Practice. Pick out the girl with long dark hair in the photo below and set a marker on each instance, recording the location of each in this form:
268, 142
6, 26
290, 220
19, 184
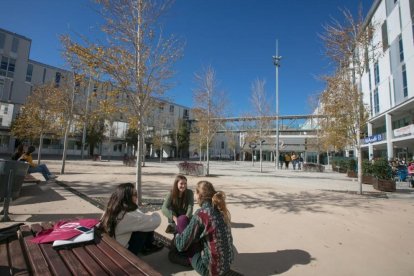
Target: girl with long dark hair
132, 228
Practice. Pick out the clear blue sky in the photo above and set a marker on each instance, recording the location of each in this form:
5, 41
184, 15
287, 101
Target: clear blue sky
236, 37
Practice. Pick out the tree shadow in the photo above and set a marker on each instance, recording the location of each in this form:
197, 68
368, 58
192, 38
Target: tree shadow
241, 225
319, 202
270, 263
36, 193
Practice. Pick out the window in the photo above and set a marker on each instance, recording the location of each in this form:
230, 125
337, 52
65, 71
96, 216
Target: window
384, 32
171, 108
185, 115
15, 45
6, 109
376, 101
11, 90
29, 72
412, 9
370, 102
58, 75
44, 75
404, 77
400, 44
369, 80
1, 88
2, 40
376, 73
7, 67
222, 145
1, 121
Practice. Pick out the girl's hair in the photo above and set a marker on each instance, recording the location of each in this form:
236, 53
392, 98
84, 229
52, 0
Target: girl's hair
175, 193
206, 192
121, 201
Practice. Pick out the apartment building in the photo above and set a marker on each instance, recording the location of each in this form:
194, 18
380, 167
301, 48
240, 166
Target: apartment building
388, 84
18, 77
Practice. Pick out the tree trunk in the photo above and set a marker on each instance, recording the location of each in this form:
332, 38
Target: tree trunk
39, 151
65, 147
261, 164
160, 154
208, 160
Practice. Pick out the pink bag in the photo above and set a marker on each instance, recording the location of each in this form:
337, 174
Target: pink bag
64, 230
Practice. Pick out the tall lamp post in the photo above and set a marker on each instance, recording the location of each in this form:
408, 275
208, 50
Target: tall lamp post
276, 62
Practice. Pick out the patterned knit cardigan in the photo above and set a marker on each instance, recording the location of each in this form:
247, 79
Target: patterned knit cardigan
207, 226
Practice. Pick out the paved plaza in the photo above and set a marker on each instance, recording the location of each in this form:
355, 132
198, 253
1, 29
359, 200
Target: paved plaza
283, 222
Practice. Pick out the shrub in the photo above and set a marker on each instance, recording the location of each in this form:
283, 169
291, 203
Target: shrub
351, 164
191, 168
382, 169
312, 167
366, 167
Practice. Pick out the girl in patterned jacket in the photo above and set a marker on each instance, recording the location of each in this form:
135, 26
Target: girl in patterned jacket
207, 237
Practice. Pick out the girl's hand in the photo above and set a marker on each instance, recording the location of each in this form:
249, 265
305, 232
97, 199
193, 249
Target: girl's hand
175, 219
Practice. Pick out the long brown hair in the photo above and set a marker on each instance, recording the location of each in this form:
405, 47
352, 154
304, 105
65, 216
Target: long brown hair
175, 193
206, 192
120, 201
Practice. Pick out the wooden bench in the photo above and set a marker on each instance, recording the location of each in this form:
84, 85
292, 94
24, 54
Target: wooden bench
31, 179
18, 255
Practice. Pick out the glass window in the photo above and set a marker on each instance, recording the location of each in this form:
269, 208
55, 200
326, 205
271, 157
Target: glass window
400, 44
44, 75
11, 90
3, 66
6, 109
171, 108
370, 102
57, 78
1, 88
29, 72
15, 45
384, 32
11, 67
376, 73
405, 86
2, 40
376, 101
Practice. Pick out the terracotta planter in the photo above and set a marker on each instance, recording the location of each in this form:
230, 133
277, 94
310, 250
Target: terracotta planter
385, 185
368, 179
352, 174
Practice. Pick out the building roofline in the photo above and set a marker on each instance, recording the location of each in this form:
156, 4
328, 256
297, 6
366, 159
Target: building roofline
371, 12
47, 65
16, 34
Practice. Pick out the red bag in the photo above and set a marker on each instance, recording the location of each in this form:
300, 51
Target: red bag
63, 230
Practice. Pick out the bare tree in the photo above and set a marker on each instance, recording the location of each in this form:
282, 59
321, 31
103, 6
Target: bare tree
261, 109
210, 104
351, 48
136, 57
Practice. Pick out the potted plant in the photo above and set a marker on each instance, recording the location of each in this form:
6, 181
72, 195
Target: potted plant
351, 172
343, 166
367, 173
383, 173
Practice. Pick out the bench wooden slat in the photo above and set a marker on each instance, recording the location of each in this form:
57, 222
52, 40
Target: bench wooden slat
108, 265
56, 264
4, 260
121, 262
72, 262
88, 262
140, 264
37, 262
18, 261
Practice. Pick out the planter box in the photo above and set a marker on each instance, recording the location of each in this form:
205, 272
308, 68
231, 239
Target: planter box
369, 179
19, 172
385, 185
352, 174
191, 169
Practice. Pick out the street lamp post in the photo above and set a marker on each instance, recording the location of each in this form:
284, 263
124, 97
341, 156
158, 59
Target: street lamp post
276, 62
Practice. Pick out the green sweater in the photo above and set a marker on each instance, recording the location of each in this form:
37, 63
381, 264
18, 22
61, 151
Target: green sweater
169, 210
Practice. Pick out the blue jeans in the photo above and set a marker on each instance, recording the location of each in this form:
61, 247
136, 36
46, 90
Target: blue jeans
42, 168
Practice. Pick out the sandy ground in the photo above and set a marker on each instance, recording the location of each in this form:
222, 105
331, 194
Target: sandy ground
283, 222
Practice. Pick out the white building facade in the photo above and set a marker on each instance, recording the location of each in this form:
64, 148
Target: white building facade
19, 75
388, 82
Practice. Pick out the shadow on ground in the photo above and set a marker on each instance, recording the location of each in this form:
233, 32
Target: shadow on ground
302, 201
30, 194
270, 263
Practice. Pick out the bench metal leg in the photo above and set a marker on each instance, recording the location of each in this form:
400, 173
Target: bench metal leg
7, 198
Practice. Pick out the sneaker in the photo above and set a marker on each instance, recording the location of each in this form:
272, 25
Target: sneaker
170, 229
52, 176
155, 247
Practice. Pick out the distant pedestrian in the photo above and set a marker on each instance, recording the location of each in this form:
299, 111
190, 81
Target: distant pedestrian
33, 168
287, 160
281, 160
18, 153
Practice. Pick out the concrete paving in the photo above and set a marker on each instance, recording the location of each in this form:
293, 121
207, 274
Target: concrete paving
283, 222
